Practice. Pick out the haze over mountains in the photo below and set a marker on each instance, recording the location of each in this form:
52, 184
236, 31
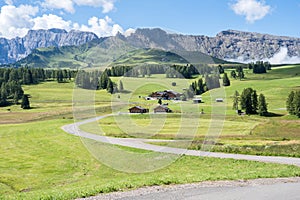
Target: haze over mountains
227, 45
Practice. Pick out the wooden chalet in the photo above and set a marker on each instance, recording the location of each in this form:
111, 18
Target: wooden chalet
138, 109
162, 109
166, 95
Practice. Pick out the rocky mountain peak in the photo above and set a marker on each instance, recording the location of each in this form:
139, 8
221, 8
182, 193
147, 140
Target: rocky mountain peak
18, 48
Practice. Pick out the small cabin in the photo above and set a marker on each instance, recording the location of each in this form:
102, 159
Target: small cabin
162, 109
219, 100
138, 109
196, 101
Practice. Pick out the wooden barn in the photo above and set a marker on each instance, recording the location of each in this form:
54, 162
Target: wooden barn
162, 109
138, 109
166, 95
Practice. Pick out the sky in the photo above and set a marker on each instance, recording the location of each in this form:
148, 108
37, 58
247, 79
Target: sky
108, 17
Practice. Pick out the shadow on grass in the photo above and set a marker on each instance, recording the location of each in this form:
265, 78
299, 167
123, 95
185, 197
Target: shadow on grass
270, 114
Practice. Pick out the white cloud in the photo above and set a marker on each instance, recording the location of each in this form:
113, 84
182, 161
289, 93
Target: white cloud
16, 21
51, 21
253, 10
282, 57
107, 5
66, 5
129, 31
9, 2
101, 27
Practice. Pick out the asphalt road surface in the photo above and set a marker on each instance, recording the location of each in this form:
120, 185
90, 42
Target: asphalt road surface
259, 189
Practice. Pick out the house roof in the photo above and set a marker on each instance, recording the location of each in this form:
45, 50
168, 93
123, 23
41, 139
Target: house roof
138, 107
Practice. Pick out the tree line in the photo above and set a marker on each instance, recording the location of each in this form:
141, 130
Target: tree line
173, 71
12, 79
96, 80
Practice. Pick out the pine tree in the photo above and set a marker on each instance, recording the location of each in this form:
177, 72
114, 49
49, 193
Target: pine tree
233, 74
110, 86
236, 99
121, 87
159, 101
246, 100
296, 104
226, 81
254, 101
25, 102
262, 105
289, 103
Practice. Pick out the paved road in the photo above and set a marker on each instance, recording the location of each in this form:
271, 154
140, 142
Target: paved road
258, 189
278, 191
141, 144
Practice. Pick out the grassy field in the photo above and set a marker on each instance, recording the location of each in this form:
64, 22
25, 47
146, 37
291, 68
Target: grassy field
40, 161
276, 135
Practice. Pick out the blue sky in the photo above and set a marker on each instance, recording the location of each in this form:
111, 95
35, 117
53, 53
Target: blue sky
107, 17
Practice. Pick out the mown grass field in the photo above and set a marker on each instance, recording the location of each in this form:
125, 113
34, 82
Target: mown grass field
276, 135
40, 161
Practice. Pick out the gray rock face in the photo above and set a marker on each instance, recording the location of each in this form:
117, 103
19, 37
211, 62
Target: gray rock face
18, 48
226, 45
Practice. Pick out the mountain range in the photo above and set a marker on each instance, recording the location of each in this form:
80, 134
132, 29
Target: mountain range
86, 47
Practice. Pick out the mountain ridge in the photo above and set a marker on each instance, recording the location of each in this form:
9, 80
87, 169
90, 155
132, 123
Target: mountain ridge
227, 45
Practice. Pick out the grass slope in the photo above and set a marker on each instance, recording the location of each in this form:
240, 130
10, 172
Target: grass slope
40, 161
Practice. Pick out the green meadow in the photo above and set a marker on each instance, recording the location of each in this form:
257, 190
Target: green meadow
40, 161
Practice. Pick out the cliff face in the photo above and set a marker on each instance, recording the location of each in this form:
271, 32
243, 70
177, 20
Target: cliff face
18, 48
226, 45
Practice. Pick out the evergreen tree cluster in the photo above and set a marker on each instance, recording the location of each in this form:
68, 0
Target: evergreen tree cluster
198, 87
27, 76
250, 102
259, 67
293, 103
10, 93
238, 73
174, 71
96, 80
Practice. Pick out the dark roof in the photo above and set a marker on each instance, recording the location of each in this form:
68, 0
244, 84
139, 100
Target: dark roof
138, 107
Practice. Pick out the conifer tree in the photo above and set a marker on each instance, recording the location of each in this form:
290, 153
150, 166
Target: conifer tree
289, 103
25, 102
226, 81
262, 105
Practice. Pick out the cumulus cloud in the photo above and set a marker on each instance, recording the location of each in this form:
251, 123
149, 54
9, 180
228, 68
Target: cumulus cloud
15, 21
101, 27
282, 57
129, 31
253, 10
107, 5
9, 2
51, 21
66, 5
